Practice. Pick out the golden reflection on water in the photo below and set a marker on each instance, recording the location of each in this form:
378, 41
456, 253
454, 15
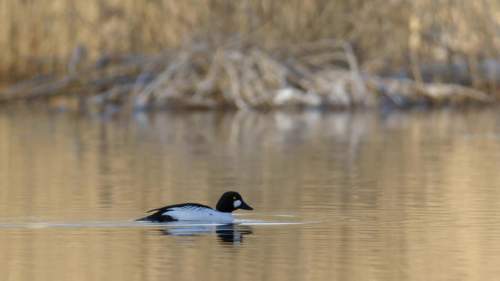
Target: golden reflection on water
397, 197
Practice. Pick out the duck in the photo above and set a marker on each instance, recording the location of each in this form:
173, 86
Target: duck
229, 202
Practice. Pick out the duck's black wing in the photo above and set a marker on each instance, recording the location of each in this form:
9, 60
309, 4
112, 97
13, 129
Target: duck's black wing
158, 215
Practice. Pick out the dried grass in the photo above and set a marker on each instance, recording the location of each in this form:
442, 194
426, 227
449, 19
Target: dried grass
253, 53
40, 36
321, 74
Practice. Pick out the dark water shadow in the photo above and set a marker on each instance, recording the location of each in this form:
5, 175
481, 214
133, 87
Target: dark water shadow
227, 233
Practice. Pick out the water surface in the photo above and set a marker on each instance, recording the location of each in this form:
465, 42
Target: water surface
340, 196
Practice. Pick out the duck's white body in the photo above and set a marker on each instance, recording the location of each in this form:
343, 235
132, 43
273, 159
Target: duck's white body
229, 202
196, 213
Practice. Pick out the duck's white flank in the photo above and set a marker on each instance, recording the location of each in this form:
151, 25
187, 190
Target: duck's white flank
195, 213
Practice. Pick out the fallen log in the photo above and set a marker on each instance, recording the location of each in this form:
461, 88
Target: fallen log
318, 74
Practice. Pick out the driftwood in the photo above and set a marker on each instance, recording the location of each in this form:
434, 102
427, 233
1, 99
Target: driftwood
320, 74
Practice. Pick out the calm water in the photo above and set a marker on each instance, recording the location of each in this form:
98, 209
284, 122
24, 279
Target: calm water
337, 196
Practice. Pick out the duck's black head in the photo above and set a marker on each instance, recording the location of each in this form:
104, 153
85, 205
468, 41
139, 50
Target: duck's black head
231, 201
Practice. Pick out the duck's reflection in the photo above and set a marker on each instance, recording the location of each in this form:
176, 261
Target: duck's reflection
227, 233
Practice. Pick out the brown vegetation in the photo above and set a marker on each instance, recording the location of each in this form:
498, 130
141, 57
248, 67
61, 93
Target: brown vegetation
252, 53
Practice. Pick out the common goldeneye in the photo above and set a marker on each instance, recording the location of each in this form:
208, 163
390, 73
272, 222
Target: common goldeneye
228, 202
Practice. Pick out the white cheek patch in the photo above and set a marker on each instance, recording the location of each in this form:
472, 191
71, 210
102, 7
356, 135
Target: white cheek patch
237, 203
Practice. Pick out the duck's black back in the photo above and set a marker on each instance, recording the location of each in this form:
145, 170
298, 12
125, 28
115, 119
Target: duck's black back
158, 216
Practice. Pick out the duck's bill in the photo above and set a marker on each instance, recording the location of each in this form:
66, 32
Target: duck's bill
245, 206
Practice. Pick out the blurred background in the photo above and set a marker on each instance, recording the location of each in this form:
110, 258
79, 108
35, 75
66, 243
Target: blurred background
39, 36
432, 41
365, 134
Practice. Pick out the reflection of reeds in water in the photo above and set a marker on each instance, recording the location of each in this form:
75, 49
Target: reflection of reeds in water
399, 196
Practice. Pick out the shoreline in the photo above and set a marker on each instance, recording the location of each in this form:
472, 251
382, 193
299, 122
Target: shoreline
323, 74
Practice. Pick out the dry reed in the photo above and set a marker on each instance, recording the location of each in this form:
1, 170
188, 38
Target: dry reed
320, 74
41, 35
390, 37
